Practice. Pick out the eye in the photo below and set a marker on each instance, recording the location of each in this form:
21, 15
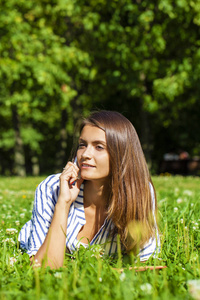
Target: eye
100, 147
81, 145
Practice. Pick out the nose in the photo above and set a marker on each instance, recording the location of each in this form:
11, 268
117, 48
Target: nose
87, 153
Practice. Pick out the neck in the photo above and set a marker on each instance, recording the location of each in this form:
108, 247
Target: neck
96, 194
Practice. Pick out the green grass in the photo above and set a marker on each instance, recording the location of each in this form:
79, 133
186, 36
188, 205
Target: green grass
88, 275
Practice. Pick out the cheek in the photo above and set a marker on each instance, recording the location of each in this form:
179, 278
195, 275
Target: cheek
106, 162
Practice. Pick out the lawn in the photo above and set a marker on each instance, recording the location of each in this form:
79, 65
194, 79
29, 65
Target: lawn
88, 275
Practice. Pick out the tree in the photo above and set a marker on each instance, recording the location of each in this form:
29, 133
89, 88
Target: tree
146, 63
61, 59
36, 61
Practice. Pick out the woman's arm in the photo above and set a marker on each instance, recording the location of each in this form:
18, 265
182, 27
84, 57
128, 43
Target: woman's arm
53, 249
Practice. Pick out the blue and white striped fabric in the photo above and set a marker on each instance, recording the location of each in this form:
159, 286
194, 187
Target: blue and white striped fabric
33, 233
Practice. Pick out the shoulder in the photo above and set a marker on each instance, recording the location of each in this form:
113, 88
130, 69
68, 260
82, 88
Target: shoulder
51, 182
47, 192
151, 187
153, 195
152, 191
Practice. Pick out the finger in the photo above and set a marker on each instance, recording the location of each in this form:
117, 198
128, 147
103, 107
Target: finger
70, 166
69, 176
78, 181
74, 178
71, 171
76, 186
141, 268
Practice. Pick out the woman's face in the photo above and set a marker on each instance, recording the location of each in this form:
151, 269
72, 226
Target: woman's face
92, 154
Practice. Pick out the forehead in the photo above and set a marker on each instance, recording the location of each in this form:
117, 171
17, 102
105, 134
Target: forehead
92, 133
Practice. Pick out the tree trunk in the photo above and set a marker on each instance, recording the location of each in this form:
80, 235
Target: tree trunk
19, 158
35, 165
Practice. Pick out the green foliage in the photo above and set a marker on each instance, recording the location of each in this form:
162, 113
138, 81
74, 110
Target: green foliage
36, 62
141, 58
7, 140
87, 273
31, 137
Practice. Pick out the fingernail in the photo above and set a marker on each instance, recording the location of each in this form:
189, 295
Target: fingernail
73, 182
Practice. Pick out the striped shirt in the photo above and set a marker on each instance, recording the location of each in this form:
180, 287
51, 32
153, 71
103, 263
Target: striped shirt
33, 233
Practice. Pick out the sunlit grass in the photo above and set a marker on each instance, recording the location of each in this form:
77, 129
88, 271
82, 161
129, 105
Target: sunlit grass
88, 274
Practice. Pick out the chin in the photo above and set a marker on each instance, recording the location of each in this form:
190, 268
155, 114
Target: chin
86, 178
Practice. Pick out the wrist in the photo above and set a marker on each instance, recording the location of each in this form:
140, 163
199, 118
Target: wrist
63, 205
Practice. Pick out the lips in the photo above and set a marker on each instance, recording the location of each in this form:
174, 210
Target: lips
84, 165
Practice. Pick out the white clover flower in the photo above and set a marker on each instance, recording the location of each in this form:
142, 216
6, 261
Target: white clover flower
179, 200
176, 190
194, 288
196, 224
4, 206
147, 288
58, 275
187, 193
9, 240
122, 276
8, 216
175, 209
36, 263
181, 221
22, 215
11, 230
12, 261
194, 257
192, 204
100, 279
186, 227
17, 222
194, 227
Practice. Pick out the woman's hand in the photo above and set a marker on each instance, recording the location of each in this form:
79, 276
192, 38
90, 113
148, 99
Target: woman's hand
68, 190
52, 250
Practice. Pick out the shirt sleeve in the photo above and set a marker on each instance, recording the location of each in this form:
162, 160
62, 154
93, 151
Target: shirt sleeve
152, 247
33, 233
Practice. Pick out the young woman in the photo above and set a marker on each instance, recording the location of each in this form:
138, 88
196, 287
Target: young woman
106, 192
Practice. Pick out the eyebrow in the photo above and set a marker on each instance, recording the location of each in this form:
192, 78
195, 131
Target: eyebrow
93, 142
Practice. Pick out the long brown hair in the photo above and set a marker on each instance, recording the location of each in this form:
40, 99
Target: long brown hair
130, 203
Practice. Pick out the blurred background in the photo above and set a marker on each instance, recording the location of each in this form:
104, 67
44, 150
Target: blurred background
61, 59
